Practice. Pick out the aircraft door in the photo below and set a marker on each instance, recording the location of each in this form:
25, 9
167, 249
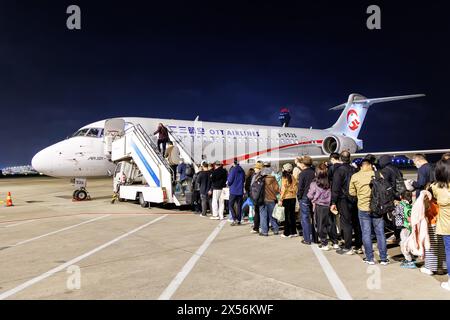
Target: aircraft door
113, 128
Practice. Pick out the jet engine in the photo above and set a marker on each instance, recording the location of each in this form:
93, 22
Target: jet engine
338, 144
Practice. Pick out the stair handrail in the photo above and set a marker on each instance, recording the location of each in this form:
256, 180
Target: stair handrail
150, 145
154, 146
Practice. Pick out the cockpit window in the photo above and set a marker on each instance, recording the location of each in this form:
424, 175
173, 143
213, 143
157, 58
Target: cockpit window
93, 132
89, 132
80, 133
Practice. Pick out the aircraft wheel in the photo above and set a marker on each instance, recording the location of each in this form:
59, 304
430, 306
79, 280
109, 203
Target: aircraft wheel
81, 195
142, 202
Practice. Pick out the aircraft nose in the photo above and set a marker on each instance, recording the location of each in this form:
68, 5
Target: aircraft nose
40, 161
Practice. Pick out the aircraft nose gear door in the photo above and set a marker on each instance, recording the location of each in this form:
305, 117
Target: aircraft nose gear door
113, 128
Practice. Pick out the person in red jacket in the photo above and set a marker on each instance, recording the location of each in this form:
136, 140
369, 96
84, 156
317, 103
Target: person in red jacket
163, 137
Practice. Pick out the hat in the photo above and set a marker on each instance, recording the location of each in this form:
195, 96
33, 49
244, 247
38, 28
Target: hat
306, 160
287, 167
266, 164
218, 163
259, 165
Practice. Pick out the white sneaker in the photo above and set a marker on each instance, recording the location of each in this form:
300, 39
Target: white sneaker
426, 271
293, 235
325, 248
214, 218
369, 262
446, 285
392, 239
336, 246
283, 236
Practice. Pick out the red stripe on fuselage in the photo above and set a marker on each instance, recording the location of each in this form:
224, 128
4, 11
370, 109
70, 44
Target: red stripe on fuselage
255, 154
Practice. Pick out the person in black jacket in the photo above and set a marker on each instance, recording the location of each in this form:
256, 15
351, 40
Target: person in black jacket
196, 202
204, 181
346, 205
390, 173
304, 181
334, 163
218, 182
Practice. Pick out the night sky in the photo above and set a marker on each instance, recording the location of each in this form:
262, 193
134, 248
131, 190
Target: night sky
227, 61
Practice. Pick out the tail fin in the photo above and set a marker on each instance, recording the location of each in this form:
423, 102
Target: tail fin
355, 110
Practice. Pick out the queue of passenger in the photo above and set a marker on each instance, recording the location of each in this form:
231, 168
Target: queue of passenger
342, 206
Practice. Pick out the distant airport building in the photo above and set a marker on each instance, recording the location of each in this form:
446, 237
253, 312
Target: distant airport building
18, 170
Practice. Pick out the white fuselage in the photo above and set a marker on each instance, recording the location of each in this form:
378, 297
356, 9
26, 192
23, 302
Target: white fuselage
82, 155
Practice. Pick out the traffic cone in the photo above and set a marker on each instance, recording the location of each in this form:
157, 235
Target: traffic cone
9, 200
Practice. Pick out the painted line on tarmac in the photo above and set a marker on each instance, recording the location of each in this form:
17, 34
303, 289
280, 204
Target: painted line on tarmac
58, 231
18, 224
332, 276
94, 213
187, 268
63, 266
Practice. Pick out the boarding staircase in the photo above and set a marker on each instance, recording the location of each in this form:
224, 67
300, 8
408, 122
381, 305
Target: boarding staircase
138, 148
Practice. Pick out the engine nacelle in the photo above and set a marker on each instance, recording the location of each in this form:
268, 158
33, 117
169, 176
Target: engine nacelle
338, 144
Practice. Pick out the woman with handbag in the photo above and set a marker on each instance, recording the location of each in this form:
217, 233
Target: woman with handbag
287, 200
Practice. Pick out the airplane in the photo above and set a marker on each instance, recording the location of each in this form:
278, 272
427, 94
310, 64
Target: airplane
83, 155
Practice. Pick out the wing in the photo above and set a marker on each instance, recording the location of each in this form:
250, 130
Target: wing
408, 154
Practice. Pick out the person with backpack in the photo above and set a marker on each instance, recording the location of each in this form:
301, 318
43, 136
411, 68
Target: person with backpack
236, 180
320, 195
218, 182
287, 200
267, 200
365, 188
345, 204
163, 138
304, 181
394, 177
402, 221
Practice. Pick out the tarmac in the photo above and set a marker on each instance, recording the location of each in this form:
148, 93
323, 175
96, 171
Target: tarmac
53, 248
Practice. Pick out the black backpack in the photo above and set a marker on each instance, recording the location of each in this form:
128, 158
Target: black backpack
257, 190
399, 185
382, 198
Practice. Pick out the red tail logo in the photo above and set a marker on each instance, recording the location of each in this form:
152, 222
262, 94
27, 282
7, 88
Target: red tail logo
353, 119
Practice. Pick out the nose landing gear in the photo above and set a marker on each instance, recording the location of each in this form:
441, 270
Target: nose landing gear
80, 194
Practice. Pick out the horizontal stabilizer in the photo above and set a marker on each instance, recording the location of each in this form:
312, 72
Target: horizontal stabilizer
378, 100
